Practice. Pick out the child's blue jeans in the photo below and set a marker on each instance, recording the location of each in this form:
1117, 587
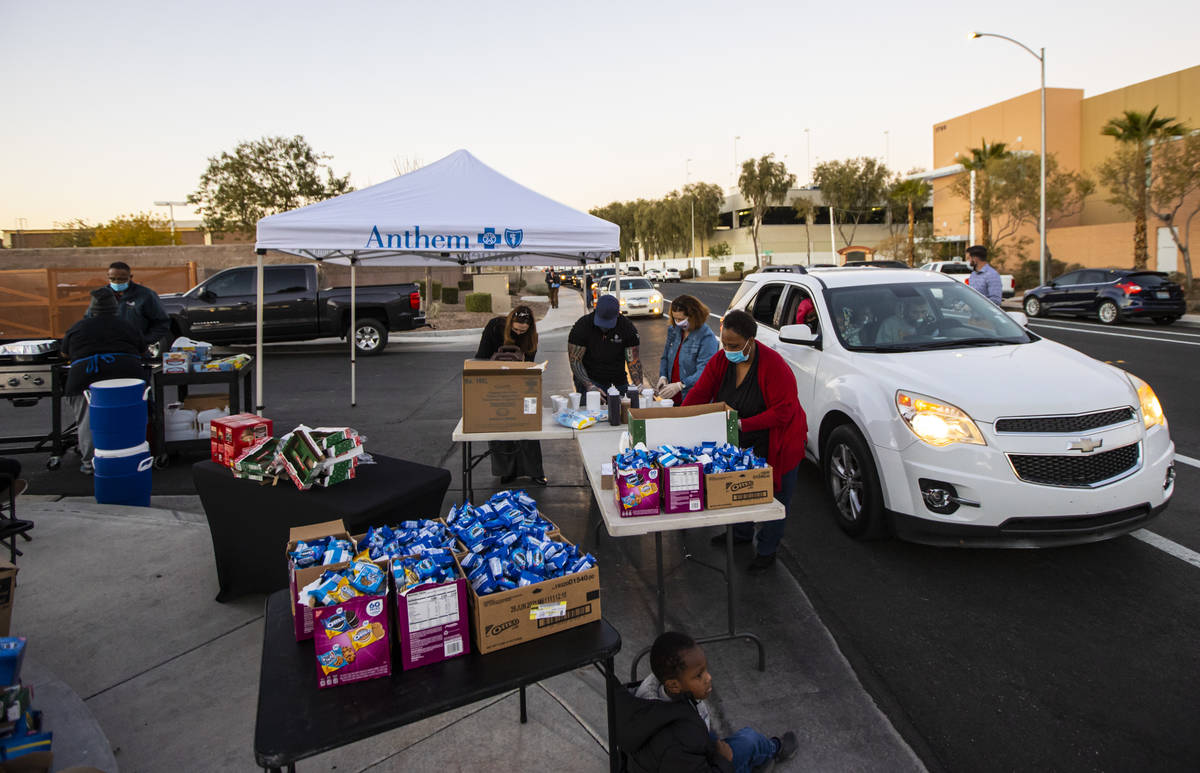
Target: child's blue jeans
750, 749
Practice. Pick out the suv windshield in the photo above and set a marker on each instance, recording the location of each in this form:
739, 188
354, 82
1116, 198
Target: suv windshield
916, 317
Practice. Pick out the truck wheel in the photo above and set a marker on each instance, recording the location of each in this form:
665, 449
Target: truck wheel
370, 336
853, 483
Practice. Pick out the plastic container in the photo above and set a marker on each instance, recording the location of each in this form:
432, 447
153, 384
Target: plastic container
123, 477
118, 412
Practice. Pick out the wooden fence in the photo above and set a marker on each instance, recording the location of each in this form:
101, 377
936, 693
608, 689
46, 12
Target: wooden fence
44, 302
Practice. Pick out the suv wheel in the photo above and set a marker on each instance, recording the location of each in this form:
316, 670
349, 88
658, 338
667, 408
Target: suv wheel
1033, 307
853, 483
1108, 313
370, 336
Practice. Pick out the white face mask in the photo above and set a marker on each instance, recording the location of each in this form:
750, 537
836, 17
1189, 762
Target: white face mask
683, 323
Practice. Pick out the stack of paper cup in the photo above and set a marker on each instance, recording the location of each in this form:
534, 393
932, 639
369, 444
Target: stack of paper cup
560, 403
593, 400
574, 398
647, 397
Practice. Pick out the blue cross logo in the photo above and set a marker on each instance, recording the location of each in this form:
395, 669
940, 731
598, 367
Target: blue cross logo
489, 238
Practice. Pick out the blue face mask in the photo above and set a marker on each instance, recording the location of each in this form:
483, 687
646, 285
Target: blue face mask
120, 288
735, 357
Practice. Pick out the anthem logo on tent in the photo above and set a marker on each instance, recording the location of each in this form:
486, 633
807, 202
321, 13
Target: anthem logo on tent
489, 239
415, 240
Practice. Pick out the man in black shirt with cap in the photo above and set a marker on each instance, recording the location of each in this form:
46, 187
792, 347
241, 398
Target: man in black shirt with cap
600, 347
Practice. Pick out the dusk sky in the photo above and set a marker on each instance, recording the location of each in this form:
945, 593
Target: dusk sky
111, 106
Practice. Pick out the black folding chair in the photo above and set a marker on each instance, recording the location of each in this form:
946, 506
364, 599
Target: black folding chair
10, 526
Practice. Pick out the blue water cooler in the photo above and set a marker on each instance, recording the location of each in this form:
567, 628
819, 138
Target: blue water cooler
118, 411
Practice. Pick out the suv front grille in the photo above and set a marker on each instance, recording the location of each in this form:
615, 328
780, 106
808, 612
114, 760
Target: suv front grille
1078, 471
1064, 425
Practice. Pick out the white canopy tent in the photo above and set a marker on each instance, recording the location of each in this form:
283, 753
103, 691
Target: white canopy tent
456, 211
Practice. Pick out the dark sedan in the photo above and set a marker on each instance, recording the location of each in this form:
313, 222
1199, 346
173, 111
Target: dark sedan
1110, 295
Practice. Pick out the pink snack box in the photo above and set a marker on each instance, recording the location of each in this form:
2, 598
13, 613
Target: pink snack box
432, 624
352, 641
683, 488
638, 493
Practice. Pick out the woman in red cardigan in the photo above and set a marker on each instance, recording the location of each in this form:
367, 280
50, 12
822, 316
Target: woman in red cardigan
759, 385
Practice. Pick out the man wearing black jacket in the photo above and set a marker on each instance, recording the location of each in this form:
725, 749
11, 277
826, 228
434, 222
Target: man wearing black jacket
138, 305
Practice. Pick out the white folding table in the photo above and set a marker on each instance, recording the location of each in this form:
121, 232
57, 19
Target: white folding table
551, 430
600, 447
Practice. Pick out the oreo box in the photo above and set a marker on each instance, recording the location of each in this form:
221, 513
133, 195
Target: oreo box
352, 641
432, 623
682, 488
302, 614
638, 491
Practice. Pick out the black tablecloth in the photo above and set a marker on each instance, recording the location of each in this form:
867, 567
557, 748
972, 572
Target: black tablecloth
249, 522
296, 719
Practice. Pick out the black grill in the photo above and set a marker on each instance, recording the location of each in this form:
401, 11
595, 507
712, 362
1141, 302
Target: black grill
1082, 470
1066, 424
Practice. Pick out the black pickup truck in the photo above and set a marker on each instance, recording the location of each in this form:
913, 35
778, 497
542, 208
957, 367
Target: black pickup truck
221, 309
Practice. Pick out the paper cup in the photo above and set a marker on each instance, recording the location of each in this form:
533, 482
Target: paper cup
574, 398
560, 403
647, 396
593, 400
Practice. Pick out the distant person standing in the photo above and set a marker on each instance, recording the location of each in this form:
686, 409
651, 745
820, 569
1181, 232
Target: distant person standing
984, 279
138, 305
513, 337
100, 346
552, 285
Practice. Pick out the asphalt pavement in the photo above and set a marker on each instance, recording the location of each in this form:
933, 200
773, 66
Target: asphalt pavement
1078, 658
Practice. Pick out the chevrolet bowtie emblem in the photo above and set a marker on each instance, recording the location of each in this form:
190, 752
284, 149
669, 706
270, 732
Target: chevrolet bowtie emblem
1085, 444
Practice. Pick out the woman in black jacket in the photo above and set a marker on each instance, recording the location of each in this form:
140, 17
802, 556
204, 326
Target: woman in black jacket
513, 337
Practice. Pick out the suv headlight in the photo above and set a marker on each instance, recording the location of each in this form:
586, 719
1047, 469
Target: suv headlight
1152, 412
935, 422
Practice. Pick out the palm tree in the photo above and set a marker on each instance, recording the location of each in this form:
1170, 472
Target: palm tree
978, 163
910, 194
1142, 130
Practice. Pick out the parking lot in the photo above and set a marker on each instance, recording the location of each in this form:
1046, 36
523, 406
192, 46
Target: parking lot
1075, 658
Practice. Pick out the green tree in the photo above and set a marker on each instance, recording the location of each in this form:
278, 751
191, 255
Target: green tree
1140, 131
720, 250
1015, 189
852, 187
1170, 185
138, 230
260, 178
622, 214
708, 198
912, 195
981, 160
806, 210
763, 182
74, 233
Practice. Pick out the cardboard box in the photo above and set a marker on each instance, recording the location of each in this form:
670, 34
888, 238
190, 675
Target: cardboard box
638, 494
8, 588
684, 426
432, 621
682, 488
199, 403
505, 618
176, 362
352, 641
302, 458
606, 476
502, 396
736, 489
231, 436
302, 615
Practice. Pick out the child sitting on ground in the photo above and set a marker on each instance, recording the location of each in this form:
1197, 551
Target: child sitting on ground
669, 729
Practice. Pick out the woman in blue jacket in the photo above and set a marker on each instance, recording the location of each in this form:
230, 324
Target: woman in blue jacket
691, 343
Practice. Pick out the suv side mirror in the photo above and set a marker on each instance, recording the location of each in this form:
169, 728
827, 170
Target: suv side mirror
798, 334
1052, 283
207, 295
1019, 317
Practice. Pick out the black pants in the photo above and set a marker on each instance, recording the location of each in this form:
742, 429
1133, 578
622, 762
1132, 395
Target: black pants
554, 297
516, 457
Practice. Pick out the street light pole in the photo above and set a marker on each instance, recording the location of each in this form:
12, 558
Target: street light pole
171, 205
1041, 57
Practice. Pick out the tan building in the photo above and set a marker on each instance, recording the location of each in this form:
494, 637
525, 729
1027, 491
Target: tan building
1101, 234
188, 231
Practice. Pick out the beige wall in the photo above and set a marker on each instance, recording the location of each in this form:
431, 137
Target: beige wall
1177, 95
209, 260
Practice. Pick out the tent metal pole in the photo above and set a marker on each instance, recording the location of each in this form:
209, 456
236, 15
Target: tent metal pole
258, 337
353, 335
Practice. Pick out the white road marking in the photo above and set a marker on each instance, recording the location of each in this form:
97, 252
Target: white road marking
1086, 327
1167, 546
1118, 335
1187, 460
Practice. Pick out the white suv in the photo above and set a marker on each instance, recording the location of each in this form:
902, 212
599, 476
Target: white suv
933, 412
